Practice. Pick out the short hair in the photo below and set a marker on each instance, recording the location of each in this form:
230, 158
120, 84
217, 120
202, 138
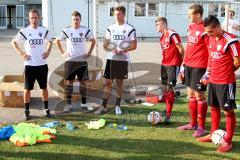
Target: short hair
120, 8
197, 8
76, 13
34, 11
163, 19
232, 11
212, 21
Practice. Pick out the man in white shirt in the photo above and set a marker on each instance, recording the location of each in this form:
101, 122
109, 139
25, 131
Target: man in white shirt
35, 38
233, 25
76, 56
120, 39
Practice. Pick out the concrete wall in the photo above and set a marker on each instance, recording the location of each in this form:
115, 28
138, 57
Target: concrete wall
57, 14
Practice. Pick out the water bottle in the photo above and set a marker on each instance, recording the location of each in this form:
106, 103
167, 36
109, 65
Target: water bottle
238, 106
51, 124
122, 127
119, 127
70, 126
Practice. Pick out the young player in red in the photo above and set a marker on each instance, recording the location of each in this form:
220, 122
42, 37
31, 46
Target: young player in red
195, 64
172, 52
224, 59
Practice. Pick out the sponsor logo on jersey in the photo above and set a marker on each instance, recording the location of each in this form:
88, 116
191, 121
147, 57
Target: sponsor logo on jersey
76, 39
192, 39
216, 55
36, 41
165, 46
118, 37
40, 34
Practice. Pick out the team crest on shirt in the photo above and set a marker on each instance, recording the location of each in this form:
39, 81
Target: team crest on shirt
219, 47
81, 34
40, 34
124, 31
197, 33
30, 35
71, 34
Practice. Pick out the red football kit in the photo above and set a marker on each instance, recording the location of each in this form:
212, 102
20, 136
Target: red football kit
170, 53
196, 50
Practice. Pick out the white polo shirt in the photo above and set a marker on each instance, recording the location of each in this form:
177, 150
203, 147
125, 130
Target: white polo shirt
76, 42
35, 41
120, 36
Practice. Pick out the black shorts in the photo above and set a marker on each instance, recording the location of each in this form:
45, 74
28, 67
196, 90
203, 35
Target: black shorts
169, 75
74, 68
116, 69
33, 73
192, 77
222, 95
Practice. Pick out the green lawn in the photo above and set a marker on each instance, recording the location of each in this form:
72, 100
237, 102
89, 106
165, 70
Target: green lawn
140, 141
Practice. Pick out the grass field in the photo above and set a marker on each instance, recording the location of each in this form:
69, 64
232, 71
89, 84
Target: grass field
141, 141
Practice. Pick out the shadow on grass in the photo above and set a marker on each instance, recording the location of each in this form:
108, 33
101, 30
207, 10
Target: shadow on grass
48, 155
142, 148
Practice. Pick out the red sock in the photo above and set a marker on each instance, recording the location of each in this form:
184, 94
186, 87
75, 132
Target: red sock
169, 103
193, 110
230, 126
202, 113
215, 118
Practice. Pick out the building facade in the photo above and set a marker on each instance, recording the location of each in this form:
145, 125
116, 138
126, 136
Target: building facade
14, 13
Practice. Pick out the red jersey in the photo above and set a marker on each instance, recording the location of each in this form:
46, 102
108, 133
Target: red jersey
221, 53
170, 53
196, 50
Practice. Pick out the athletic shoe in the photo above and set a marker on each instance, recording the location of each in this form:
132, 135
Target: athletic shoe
46, 113
199, 132
224, 147
206, 138
67, 108
187, 127
86, 106
27, 115
118, 110
167, 120
101, 110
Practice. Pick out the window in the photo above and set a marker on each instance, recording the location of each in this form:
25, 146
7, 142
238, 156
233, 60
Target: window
222, 10
111, 12
146, 9
153, 9
213, 9
217, 10
140, 9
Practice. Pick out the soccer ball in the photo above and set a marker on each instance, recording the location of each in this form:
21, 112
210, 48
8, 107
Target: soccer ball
217, 136
154, 117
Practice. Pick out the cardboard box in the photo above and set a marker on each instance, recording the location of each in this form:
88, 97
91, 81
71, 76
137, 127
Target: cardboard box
11, 91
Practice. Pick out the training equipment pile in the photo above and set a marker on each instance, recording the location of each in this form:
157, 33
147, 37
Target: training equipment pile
25, 134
